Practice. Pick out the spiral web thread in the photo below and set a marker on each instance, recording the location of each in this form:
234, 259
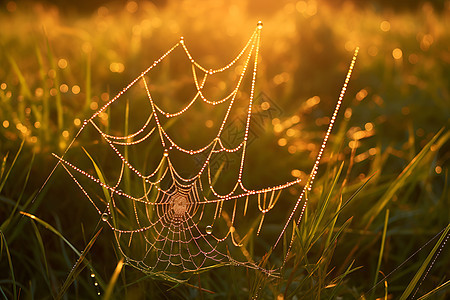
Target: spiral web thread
168, 225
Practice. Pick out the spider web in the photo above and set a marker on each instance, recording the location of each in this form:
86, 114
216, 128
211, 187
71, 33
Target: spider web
164, 218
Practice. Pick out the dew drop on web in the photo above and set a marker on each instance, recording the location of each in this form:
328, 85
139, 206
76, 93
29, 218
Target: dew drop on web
209, 229
104, 217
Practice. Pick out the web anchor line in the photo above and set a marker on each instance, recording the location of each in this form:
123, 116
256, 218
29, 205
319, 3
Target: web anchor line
168, 224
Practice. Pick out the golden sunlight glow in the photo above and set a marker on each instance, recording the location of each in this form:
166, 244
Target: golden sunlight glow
3, 86
77, 122
5, 123
438, 169
65, 134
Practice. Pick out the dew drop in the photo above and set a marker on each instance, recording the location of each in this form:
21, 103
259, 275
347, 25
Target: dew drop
209, 229
92, 275
166, 153
260, 24
104, 217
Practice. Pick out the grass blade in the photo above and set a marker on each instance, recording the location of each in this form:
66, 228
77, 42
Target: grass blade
435, 290
424, 265
112, 282
11, 268
400, 181
4, 179
383, 240
78, 267
52, 229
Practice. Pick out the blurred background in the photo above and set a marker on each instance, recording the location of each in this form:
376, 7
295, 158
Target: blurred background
60, 61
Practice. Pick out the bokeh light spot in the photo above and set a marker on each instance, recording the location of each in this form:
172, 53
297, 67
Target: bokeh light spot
64, 88
368, 126
373, 51
385, 26
282, 142
209, 123
117, 67
104, 97
62, 63
132, 6
397, 53
413, 58
361, 95
265, 105
76, 89
11, 6
39, 92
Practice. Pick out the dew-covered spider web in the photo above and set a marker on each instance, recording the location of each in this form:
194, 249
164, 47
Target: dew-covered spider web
171, 206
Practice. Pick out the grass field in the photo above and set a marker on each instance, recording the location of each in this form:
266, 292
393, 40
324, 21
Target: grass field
378, 217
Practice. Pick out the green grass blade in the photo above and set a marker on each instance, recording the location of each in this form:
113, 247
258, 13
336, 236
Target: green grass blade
105, 190
12, 214
11, 268
325, 203
3, 168
52, 229
4, 179
78, 267
383, 240
424, 265
400, 181
435, 290
41, 245
113, 280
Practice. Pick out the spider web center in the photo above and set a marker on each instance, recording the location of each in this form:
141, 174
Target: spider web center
179, 204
